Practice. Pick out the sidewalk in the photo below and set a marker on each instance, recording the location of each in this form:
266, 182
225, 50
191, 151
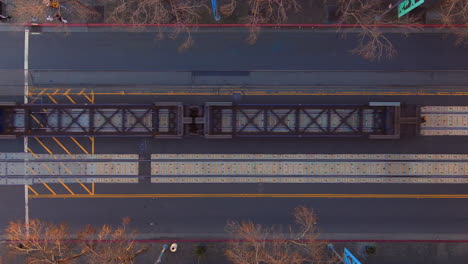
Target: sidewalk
309, 12
414, 253
386, 253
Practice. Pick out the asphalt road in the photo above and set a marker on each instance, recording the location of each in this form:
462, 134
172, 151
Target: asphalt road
207, 217
227, 51
280, 50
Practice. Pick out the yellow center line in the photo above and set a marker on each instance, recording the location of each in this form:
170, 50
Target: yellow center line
256, 195
261, 93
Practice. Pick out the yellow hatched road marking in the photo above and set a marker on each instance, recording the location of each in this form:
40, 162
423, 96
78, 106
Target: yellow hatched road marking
71, 100
61, 163
84, 187
66, 187
63, 147
37, 121
66, 92
32, 190
45, 147
48, 187
79, 145
56, 91
32, 153
91, 100
52, 99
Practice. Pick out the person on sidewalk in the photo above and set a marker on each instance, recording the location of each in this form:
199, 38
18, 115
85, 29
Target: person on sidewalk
61, 19
5, 18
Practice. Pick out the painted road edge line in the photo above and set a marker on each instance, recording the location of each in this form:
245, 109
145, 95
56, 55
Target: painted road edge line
255, 195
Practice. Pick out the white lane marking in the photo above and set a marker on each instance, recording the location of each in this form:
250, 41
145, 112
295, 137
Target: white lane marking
26, 208
25, 142
26, 65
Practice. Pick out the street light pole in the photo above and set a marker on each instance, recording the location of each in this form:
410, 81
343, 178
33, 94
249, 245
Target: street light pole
165, 247
214, 7
330, 246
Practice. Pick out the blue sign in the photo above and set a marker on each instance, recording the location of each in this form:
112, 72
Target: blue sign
214, 6
349, 258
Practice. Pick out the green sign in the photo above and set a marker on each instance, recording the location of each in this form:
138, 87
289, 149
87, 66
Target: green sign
407, 6
349, 258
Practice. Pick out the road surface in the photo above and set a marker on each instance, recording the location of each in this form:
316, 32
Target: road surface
286, 50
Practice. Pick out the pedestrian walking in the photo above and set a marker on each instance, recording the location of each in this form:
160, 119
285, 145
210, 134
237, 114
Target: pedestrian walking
4, 18
61, 19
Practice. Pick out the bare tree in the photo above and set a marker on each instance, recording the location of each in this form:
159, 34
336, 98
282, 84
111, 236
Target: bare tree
373, 44
25, 11
178, 12
456, 12
81, 9
257, 244
228, 8
42, 243
268, 11
110, 245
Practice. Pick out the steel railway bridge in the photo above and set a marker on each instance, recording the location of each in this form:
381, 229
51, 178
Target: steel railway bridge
376, 120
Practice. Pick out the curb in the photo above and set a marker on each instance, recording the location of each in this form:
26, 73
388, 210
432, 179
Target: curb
316, 28
324, 237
